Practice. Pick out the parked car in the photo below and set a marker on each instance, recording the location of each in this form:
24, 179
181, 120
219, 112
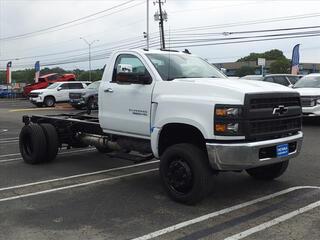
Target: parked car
284, 79
87, 98
46, 80
252, 77
6, 91
309, 89
57, 92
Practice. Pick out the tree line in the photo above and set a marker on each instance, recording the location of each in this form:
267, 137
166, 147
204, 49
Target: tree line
27, 75
280, 63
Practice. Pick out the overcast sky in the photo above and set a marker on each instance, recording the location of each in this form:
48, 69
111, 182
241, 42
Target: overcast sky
129, 21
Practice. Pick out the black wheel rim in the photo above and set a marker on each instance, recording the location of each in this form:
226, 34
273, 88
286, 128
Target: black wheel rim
49, 102
179, 176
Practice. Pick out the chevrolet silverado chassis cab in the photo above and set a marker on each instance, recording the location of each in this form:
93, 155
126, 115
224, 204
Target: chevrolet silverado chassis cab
180, 109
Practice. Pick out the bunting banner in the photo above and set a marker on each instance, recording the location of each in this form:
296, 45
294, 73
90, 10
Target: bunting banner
8, 73
295, 60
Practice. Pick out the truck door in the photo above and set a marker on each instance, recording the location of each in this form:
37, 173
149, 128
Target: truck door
126, 98
62, 91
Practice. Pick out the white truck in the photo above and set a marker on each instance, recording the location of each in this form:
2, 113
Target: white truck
183, 111
56, 92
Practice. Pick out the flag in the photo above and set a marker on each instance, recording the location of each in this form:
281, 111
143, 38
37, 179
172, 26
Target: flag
295, 60
37, 71
8, 73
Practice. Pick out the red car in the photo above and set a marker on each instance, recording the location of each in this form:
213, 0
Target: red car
46, 80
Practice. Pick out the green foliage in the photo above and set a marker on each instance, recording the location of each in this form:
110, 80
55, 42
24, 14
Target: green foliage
245, 70
95, 75
280, 66
273, 54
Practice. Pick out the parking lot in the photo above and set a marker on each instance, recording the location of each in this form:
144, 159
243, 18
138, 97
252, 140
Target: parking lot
84, 194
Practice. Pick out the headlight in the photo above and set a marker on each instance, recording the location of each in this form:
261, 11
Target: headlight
228, 120
318, 101
83, 94
39, 93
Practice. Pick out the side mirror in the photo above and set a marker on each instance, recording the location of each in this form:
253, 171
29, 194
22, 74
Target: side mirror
59, 88
133, 78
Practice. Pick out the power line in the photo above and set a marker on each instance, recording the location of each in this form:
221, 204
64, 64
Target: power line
29, 34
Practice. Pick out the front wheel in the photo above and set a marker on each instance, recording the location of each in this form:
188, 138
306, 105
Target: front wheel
268, 172
185, 173
49, 101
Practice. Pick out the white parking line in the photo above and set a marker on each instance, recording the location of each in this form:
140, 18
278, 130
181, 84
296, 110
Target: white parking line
76, 185
220, 212
12, 138
77, 176
273, 222
9, 141
61, 153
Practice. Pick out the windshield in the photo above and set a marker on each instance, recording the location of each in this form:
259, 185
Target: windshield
54, 85
308, 82
172, 66
94, 85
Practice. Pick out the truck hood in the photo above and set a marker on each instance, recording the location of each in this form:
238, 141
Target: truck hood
240, 85
308, 91
218, 90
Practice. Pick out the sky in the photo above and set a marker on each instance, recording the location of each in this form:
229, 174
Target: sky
117, 26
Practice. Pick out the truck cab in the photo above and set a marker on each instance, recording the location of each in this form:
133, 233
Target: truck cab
185, 112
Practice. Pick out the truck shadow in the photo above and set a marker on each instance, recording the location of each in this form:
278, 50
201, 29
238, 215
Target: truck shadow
311, 121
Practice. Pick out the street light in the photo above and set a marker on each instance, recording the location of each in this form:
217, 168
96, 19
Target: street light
89, 45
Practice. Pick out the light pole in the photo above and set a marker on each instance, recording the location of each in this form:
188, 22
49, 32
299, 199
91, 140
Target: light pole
89, 45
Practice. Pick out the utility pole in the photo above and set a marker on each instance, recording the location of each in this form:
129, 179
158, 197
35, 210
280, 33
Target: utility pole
147, 34
89, 45
161, 16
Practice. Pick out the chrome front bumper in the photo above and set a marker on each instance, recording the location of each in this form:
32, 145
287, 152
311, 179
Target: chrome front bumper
240, 156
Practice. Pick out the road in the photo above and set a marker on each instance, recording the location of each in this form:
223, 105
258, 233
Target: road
84, 194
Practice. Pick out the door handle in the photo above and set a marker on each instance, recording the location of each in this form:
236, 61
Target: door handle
108, 90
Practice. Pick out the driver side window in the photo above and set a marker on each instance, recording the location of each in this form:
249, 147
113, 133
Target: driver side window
127, 63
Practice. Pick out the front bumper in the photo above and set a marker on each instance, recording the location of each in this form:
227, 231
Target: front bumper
240, 156
311, 111
77, 102
38, 99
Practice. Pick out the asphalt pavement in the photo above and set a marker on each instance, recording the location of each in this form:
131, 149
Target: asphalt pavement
84, 194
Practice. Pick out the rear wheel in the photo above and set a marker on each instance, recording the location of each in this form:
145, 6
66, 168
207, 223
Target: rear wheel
185, 173
52, 141
33, 144
268, 172
49, 101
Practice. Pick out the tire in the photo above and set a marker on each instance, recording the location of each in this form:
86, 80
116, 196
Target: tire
49, 101
103, 149
185, 173
52, 141
268, 172
90, 104
33, 144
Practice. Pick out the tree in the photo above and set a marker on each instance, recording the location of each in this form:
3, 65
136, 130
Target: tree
273, 54
245, 70
280, 66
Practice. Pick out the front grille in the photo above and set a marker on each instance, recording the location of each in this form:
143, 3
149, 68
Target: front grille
33, 95
262, 121
274, 102
75, 95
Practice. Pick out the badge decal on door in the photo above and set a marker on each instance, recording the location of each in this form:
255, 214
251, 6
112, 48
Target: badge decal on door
138, 112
